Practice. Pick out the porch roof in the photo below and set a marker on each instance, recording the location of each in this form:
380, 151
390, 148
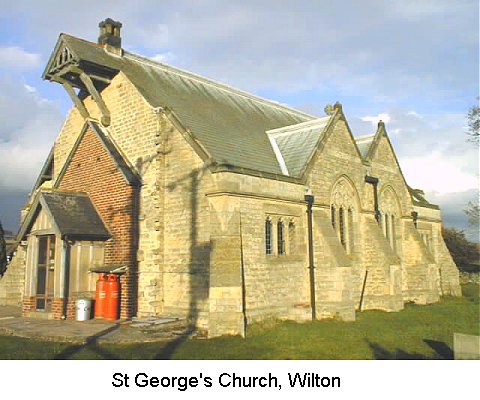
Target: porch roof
72, 213
75, 215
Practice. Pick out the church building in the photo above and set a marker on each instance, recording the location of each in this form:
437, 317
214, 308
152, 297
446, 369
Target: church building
216, 206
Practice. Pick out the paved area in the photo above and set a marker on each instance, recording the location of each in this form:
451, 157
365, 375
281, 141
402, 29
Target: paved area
7, 312
100, 331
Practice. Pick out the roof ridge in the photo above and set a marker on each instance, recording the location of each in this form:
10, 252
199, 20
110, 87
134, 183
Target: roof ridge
364, 137
202, 79
312, 124
212, 82
82, 40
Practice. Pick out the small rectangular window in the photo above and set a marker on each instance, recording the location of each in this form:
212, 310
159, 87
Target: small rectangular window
280, 238
268, 237
292, 238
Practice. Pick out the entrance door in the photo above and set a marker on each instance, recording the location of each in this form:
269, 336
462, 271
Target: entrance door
45, 272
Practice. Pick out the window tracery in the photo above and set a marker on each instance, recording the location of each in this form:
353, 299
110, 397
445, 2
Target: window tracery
390, 211
342, 212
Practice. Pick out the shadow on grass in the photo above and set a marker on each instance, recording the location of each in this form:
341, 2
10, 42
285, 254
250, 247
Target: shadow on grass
171, 347
442, 352
90, 344
441, 348
471, 292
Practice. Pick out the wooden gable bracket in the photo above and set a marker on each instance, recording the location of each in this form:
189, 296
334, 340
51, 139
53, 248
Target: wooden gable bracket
71, 92
76, 100
87, 81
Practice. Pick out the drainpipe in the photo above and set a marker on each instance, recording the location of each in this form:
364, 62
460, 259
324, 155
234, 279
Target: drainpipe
66, 275
310, 199
415, 218
374, 182
244, 294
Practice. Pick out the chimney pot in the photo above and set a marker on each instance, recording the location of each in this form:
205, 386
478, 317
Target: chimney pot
109, 36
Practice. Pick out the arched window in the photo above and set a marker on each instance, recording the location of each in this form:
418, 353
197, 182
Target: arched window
343, 202
292, 240
268, 236
280, 238
351, 232
390, 209
341, 225
393, 233
387, 227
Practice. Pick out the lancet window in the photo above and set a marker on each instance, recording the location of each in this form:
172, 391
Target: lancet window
342, 213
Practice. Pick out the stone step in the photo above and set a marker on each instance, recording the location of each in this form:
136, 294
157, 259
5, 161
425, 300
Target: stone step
166, 324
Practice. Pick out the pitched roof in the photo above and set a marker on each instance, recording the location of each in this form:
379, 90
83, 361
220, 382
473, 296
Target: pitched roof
73, 214
364, 143
46, 172
296, 143
230, 124
419, 199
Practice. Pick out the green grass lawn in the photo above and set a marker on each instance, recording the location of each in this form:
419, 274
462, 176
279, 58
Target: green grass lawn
418, 332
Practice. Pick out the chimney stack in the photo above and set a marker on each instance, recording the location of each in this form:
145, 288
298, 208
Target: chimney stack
110, 37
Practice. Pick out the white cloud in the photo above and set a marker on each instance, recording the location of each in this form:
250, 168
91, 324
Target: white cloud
376, 118
29, 88
16, 57
29, 127
437, 173
167, 57
434, 156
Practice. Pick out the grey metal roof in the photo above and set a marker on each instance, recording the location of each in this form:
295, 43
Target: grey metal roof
296, 143
364, 143
230, 124
74, 215
419, 199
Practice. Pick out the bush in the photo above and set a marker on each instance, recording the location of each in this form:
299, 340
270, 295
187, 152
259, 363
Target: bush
465, 253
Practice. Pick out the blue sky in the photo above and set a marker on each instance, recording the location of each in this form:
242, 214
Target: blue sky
412, 63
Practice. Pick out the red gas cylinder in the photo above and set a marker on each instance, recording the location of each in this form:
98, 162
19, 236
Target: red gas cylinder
100, 296
113, 297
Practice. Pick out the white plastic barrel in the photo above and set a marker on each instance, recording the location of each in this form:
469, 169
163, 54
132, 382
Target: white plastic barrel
84, 307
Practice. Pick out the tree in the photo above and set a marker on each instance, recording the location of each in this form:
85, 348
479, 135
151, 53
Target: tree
464, 252
3, 251
473, 118
473, 213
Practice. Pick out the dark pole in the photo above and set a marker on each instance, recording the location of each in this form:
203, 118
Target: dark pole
66, 277
244, 294
310, 199
374, 182
415, 218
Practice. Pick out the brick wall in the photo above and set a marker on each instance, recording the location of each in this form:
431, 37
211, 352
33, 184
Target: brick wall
28, 304
57, 308
140, 133
92, 170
